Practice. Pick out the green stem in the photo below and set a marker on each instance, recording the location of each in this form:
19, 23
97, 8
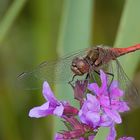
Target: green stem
10, 17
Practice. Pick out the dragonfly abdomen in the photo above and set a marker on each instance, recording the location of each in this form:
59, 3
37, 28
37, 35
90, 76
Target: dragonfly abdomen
123, 51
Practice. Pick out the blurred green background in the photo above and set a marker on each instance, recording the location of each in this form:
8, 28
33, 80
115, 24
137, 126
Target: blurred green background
32, 31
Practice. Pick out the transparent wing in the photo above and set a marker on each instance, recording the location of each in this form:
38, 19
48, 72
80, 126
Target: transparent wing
131, 93
55, 72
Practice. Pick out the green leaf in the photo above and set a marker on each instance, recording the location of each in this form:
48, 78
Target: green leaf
129, 34
10, 17
74, 34
45, 24
102, 134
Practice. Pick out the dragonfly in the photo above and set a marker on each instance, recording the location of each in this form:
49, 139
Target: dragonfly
81, 63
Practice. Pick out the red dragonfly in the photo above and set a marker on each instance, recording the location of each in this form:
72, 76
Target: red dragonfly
83, 63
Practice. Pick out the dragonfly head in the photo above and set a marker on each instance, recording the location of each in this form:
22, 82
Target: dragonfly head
79, 66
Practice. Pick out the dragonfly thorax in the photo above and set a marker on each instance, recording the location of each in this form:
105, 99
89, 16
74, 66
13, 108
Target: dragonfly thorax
82, 65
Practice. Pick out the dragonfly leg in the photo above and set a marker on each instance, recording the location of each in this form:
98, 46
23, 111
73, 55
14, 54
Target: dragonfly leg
90, 74
87, 76
70, 82
112, 75
96, 73
93, 77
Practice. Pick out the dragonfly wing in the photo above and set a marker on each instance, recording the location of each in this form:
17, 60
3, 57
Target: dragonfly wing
131, 93
116, 72
33, 79
55, 72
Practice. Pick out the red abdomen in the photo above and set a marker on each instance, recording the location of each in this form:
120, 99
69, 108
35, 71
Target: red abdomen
123, 51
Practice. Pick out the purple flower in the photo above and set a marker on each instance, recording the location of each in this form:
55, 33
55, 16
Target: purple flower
91, 113
112, 133
109, 98
89, 138
79, 90
68, 135
77, 130
52, 106
100, 108
127, 138
59, 136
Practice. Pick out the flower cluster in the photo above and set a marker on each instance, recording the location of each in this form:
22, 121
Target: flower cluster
100, 106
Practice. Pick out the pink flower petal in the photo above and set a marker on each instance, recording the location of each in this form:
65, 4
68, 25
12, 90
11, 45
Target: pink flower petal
104, 80
92, 103
123, 107
93, 117
94, 88
41, 111
127, 138
106, 121
47, 93
112, 133
58, 111
114, 115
